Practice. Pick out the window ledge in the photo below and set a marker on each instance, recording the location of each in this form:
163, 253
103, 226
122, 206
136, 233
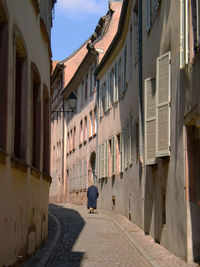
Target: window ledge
19, 164
3, 156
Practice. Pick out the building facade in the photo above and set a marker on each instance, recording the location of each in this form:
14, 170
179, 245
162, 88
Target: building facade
146, 138
25, 63
80, 127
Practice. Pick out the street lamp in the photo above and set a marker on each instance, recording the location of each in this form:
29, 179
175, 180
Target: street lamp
72, 99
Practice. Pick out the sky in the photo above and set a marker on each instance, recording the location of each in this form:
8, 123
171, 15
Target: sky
74, 22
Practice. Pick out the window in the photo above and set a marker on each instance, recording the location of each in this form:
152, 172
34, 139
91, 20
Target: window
184, 34
85, 130
86, 87
82, 93
151, 11
107, 93
112, 84
3, 77
91, 125
125, 73
136, 35
106, 158
74, 138
68, 142
94, 127
104, 102
92, 81
130, 141
119, 78
36, 107
81, 133
20, 99
126, 132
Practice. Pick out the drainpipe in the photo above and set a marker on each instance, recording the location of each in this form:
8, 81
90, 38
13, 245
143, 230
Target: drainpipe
97, 121
63, 153
141, 114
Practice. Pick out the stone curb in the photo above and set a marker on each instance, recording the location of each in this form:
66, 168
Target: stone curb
47, 254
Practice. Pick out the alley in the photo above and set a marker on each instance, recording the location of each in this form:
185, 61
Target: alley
77, 238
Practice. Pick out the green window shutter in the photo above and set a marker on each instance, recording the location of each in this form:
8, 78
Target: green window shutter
150, 120
122, 151
163, 95
116, 83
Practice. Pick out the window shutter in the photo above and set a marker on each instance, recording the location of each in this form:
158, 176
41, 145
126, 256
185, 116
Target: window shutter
116, 83
150, 120
130, 142
100, 100
108, 90
148, 14
123, 73
99, 161
102, 160
122, 151
106, 158
113, 145
163, 88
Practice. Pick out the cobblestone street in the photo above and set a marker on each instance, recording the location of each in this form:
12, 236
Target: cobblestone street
77, 238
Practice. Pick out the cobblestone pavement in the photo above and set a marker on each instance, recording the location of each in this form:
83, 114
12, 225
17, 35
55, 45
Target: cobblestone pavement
98, 240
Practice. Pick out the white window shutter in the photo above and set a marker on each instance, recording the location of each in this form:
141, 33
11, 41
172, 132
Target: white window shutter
102, 160
106, 158
150, 120
186, 32
100, 100
122, 151
113, 145
99, 161
148, 14
116, 83
163, 95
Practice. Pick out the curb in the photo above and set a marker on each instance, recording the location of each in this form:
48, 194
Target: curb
47, 254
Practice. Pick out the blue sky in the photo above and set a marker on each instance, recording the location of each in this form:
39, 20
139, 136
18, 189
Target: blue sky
74, 22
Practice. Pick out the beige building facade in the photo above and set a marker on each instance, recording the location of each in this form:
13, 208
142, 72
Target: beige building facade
25, 63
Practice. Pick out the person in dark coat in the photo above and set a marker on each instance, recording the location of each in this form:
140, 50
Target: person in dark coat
92, 195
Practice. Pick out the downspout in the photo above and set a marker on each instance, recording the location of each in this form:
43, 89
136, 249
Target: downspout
63, 153
97, 120
141, 115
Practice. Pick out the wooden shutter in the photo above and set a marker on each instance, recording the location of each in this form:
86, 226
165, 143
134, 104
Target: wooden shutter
108, 91
113, 150
102, 160
163, 89
100, 101
148, 14
122, 151
116, 83
106, 158
150, 120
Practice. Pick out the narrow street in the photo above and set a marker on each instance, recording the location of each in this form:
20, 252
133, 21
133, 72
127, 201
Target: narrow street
77, 238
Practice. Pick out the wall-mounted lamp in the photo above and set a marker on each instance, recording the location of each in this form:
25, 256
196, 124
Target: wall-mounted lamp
72, 99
